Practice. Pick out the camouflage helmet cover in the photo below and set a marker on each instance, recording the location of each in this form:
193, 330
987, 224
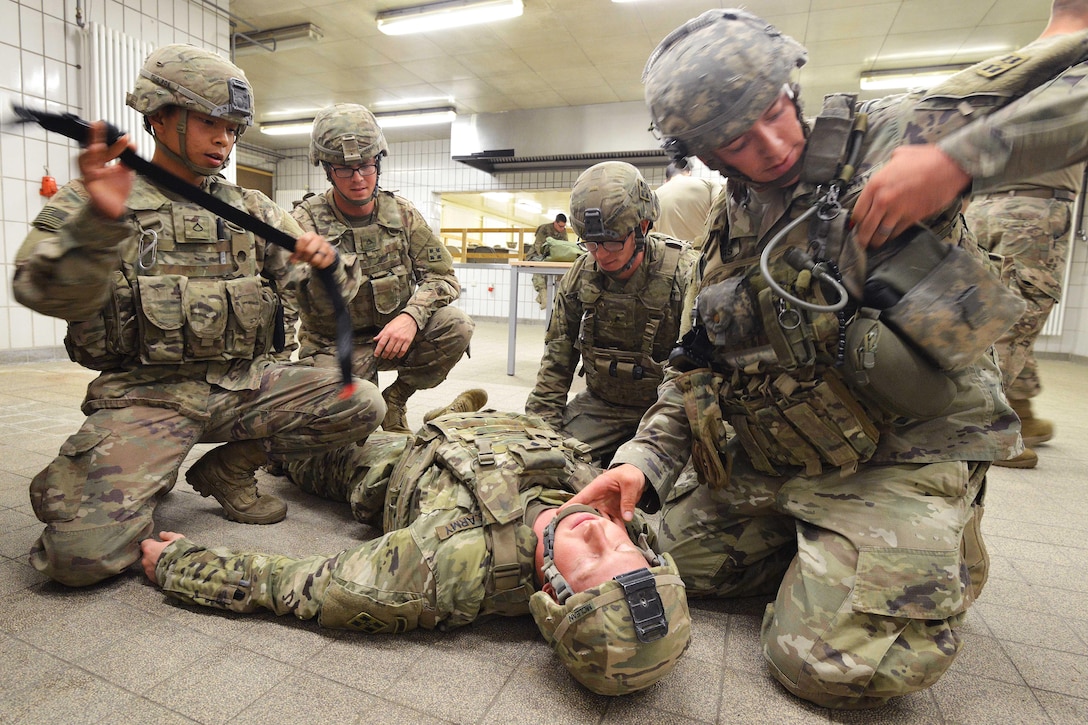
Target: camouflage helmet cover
594, 636
711, 79
346, 133
609, 200
193, 78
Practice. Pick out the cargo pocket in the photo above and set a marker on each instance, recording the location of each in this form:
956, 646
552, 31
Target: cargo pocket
388, 293
56, 492
245, 316
910, 583
162, 318
205, 305
348, 605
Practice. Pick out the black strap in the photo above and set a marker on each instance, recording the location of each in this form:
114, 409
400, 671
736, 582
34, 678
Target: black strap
78, 130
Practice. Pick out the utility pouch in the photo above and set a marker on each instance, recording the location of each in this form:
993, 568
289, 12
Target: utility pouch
940, 298
885, 370
788, 331
709, 454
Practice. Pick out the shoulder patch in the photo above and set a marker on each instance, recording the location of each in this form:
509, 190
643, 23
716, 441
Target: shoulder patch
434, 254
997, 66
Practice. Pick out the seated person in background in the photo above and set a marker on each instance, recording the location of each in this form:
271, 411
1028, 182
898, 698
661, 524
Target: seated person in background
473, 527
618, 311
400, 281
685, 203
537, 253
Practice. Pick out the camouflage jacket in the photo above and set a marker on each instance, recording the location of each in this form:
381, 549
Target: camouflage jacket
394, 264
599, 320
992, 125
542, 233
77, 265
435, 565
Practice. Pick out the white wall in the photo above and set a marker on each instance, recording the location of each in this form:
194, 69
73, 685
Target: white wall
40, 51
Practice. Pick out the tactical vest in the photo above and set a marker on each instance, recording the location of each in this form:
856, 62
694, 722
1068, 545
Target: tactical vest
377, 264
619, 332
496, 456
188, 289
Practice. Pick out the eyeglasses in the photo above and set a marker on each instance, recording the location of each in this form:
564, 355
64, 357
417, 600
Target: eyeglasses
346, 172
614, 245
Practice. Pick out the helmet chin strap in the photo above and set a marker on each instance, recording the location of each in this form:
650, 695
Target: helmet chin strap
640, 247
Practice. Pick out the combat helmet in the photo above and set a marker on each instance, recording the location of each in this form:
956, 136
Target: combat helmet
622, 635
196, 79
346, 134
609, 200
712, 78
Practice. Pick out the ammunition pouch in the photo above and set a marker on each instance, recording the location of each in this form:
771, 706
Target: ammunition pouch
808, 423
940, 298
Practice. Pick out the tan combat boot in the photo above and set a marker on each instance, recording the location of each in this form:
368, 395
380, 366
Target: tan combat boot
467, 402
1033, 430
1027, 459
226, 473
396, 400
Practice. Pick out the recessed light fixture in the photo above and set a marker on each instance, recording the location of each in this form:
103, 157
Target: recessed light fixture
448, 14
288, 128
883, 80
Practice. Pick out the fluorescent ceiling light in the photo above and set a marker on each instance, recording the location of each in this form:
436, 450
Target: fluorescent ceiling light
553, 213
448, 14
288, 128
498, 195
530, 205
291, 36
422, 117
448, 100
908, 77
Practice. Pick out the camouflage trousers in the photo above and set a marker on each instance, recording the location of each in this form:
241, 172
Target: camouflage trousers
407, 578
1032, 235
98, 496
602, 426
874, 572
434, 352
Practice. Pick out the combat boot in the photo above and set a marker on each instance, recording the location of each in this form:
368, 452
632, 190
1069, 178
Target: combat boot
1027, 459
467, 402
227, 474
1033, 430
396, 400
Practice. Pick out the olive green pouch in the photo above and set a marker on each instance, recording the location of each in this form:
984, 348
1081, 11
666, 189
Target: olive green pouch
940, 298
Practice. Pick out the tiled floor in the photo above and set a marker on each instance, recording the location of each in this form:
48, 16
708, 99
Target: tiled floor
120, 652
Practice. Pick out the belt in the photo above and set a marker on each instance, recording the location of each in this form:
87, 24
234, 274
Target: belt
1060, 194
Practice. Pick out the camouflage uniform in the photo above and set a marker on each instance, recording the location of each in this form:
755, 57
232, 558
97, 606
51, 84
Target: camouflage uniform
394, 264
434, 566
191, 366
600, 321
884, 512
536, 254
1027, 223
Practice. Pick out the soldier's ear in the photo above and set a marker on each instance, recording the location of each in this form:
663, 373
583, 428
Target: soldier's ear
548, 589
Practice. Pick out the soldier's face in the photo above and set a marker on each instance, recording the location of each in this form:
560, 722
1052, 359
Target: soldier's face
770, 148
590, 550
360, 186
208, 140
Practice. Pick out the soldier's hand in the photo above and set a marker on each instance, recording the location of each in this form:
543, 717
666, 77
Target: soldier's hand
108, 184
151, 550
312, 249
917, 182
614, 493
396, 337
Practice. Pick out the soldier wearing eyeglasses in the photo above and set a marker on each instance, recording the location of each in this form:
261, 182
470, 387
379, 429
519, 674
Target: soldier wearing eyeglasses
617, 311
399, 276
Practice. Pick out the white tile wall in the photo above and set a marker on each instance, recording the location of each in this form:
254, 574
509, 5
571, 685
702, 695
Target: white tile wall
40, 46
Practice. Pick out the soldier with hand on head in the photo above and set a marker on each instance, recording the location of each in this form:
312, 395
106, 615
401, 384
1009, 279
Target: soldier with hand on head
617, 311
844, 335
178, 310
475, 525
1027, 222
399, 277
